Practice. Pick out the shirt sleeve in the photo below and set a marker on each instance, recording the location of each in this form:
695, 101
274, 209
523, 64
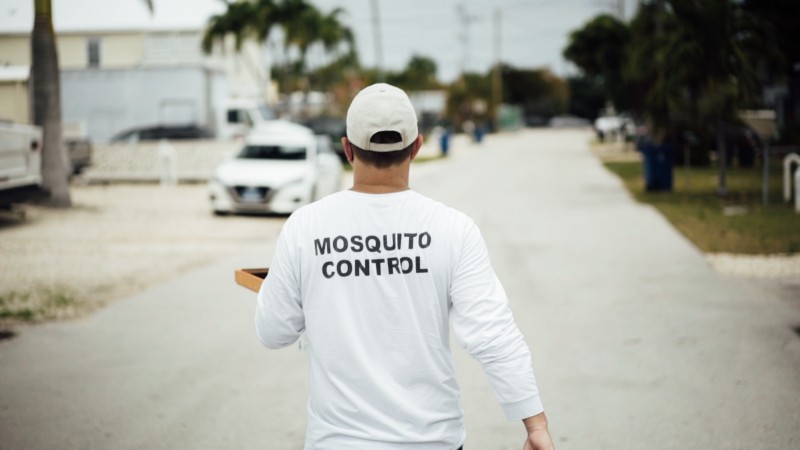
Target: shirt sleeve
279, 309
484, 326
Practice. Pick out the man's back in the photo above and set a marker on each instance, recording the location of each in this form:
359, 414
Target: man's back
374, 276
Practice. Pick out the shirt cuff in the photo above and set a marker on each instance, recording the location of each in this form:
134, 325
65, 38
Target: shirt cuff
523, 408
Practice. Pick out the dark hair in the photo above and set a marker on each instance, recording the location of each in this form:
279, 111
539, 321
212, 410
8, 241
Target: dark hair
382, 160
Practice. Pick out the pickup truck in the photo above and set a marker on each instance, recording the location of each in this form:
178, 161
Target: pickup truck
20, 163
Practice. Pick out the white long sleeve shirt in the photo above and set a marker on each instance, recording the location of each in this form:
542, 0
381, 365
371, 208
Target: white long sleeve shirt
375, 282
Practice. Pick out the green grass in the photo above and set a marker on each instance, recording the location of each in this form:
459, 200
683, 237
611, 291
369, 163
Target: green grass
36, 304
695, 209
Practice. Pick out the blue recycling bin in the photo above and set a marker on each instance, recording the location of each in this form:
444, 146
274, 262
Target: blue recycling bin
657, 160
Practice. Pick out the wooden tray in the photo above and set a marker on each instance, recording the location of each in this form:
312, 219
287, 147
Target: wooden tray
251, 278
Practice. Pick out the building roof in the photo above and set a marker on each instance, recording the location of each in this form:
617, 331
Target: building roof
81, 16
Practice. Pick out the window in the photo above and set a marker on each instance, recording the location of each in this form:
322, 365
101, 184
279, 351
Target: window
273, 152
239, 116
233, 116
93, 51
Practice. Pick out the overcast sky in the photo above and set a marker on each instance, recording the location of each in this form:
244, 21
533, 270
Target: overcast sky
533, 32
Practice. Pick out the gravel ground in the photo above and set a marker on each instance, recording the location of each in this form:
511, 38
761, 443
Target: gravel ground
779, 274
116, 240
756, 266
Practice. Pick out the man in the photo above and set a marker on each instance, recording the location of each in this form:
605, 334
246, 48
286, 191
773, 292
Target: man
374, 276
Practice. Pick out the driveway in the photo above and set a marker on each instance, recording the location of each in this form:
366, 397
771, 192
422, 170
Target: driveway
637, 343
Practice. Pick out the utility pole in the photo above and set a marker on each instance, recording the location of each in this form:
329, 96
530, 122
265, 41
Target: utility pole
617, 8
497, 78
466, 19
376, 28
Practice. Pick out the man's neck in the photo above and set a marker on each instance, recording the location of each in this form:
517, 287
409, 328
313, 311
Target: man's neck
370, 180
376, 189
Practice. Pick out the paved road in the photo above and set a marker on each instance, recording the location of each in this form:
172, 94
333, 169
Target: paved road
637, 343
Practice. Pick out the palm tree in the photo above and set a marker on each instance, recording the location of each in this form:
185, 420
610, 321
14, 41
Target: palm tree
781, 56
696, 59
599, 49
710, 55
241, 20
237, 20
332, 34
47, 106
46, 81
302, 23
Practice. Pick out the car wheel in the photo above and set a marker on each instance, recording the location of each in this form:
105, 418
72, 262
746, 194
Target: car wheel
219, 213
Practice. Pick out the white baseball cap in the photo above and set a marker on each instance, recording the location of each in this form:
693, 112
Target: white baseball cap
381, 107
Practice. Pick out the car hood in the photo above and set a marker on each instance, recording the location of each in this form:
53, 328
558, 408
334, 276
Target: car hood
254, 172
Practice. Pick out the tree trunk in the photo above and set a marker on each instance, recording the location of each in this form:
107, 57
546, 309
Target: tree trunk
47, 106
791, 111
722, 160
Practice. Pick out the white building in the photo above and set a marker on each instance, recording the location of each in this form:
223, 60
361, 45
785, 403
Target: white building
122, 66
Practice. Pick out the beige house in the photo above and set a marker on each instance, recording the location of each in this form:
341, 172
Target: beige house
80, 50
14, 95
247, 71
75, 51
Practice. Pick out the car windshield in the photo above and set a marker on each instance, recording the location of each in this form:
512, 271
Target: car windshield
125, 136
273, 152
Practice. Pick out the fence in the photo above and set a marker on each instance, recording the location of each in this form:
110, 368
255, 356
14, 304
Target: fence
776, 166
186, 161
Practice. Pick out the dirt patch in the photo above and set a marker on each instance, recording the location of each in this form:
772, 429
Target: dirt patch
756, 266
615, 151
116, 240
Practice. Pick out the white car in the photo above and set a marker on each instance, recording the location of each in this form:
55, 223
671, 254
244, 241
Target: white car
281, 167
609, 128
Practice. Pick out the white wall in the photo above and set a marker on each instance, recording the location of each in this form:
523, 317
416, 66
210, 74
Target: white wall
110, 101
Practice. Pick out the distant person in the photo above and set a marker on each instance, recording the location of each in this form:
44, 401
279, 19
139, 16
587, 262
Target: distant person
375, 276
469, 127
442, 135
477, 134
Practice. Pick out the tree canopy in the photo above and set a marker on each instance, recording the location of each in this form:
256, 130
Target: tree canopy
302, 25
599, 50
538, 91
419, 74
688, 64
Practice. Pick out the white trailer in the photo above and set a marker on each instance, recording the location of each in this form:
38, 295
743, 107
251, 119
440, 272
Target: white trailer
111, 101
20, 163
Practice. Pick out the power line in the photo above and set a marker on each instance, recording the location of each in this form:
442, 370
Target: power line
529, 3
376, 26
466, 19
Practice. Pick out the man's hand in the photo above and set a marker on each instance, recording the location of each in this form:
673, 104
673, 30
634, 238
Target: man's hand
539, 440
538, 436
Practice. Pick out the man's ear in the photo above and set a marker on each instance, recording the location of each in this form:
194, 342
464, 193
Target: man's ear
348, 152
417, 146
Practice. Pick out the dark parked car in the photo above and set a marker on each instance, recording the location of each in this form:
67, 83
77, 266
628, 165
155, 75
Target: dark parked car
80, 153
332, 127
158, 132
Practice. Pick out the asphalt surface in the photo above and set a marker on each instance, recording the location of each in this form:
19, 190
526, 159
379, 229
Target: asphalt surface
637, 343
